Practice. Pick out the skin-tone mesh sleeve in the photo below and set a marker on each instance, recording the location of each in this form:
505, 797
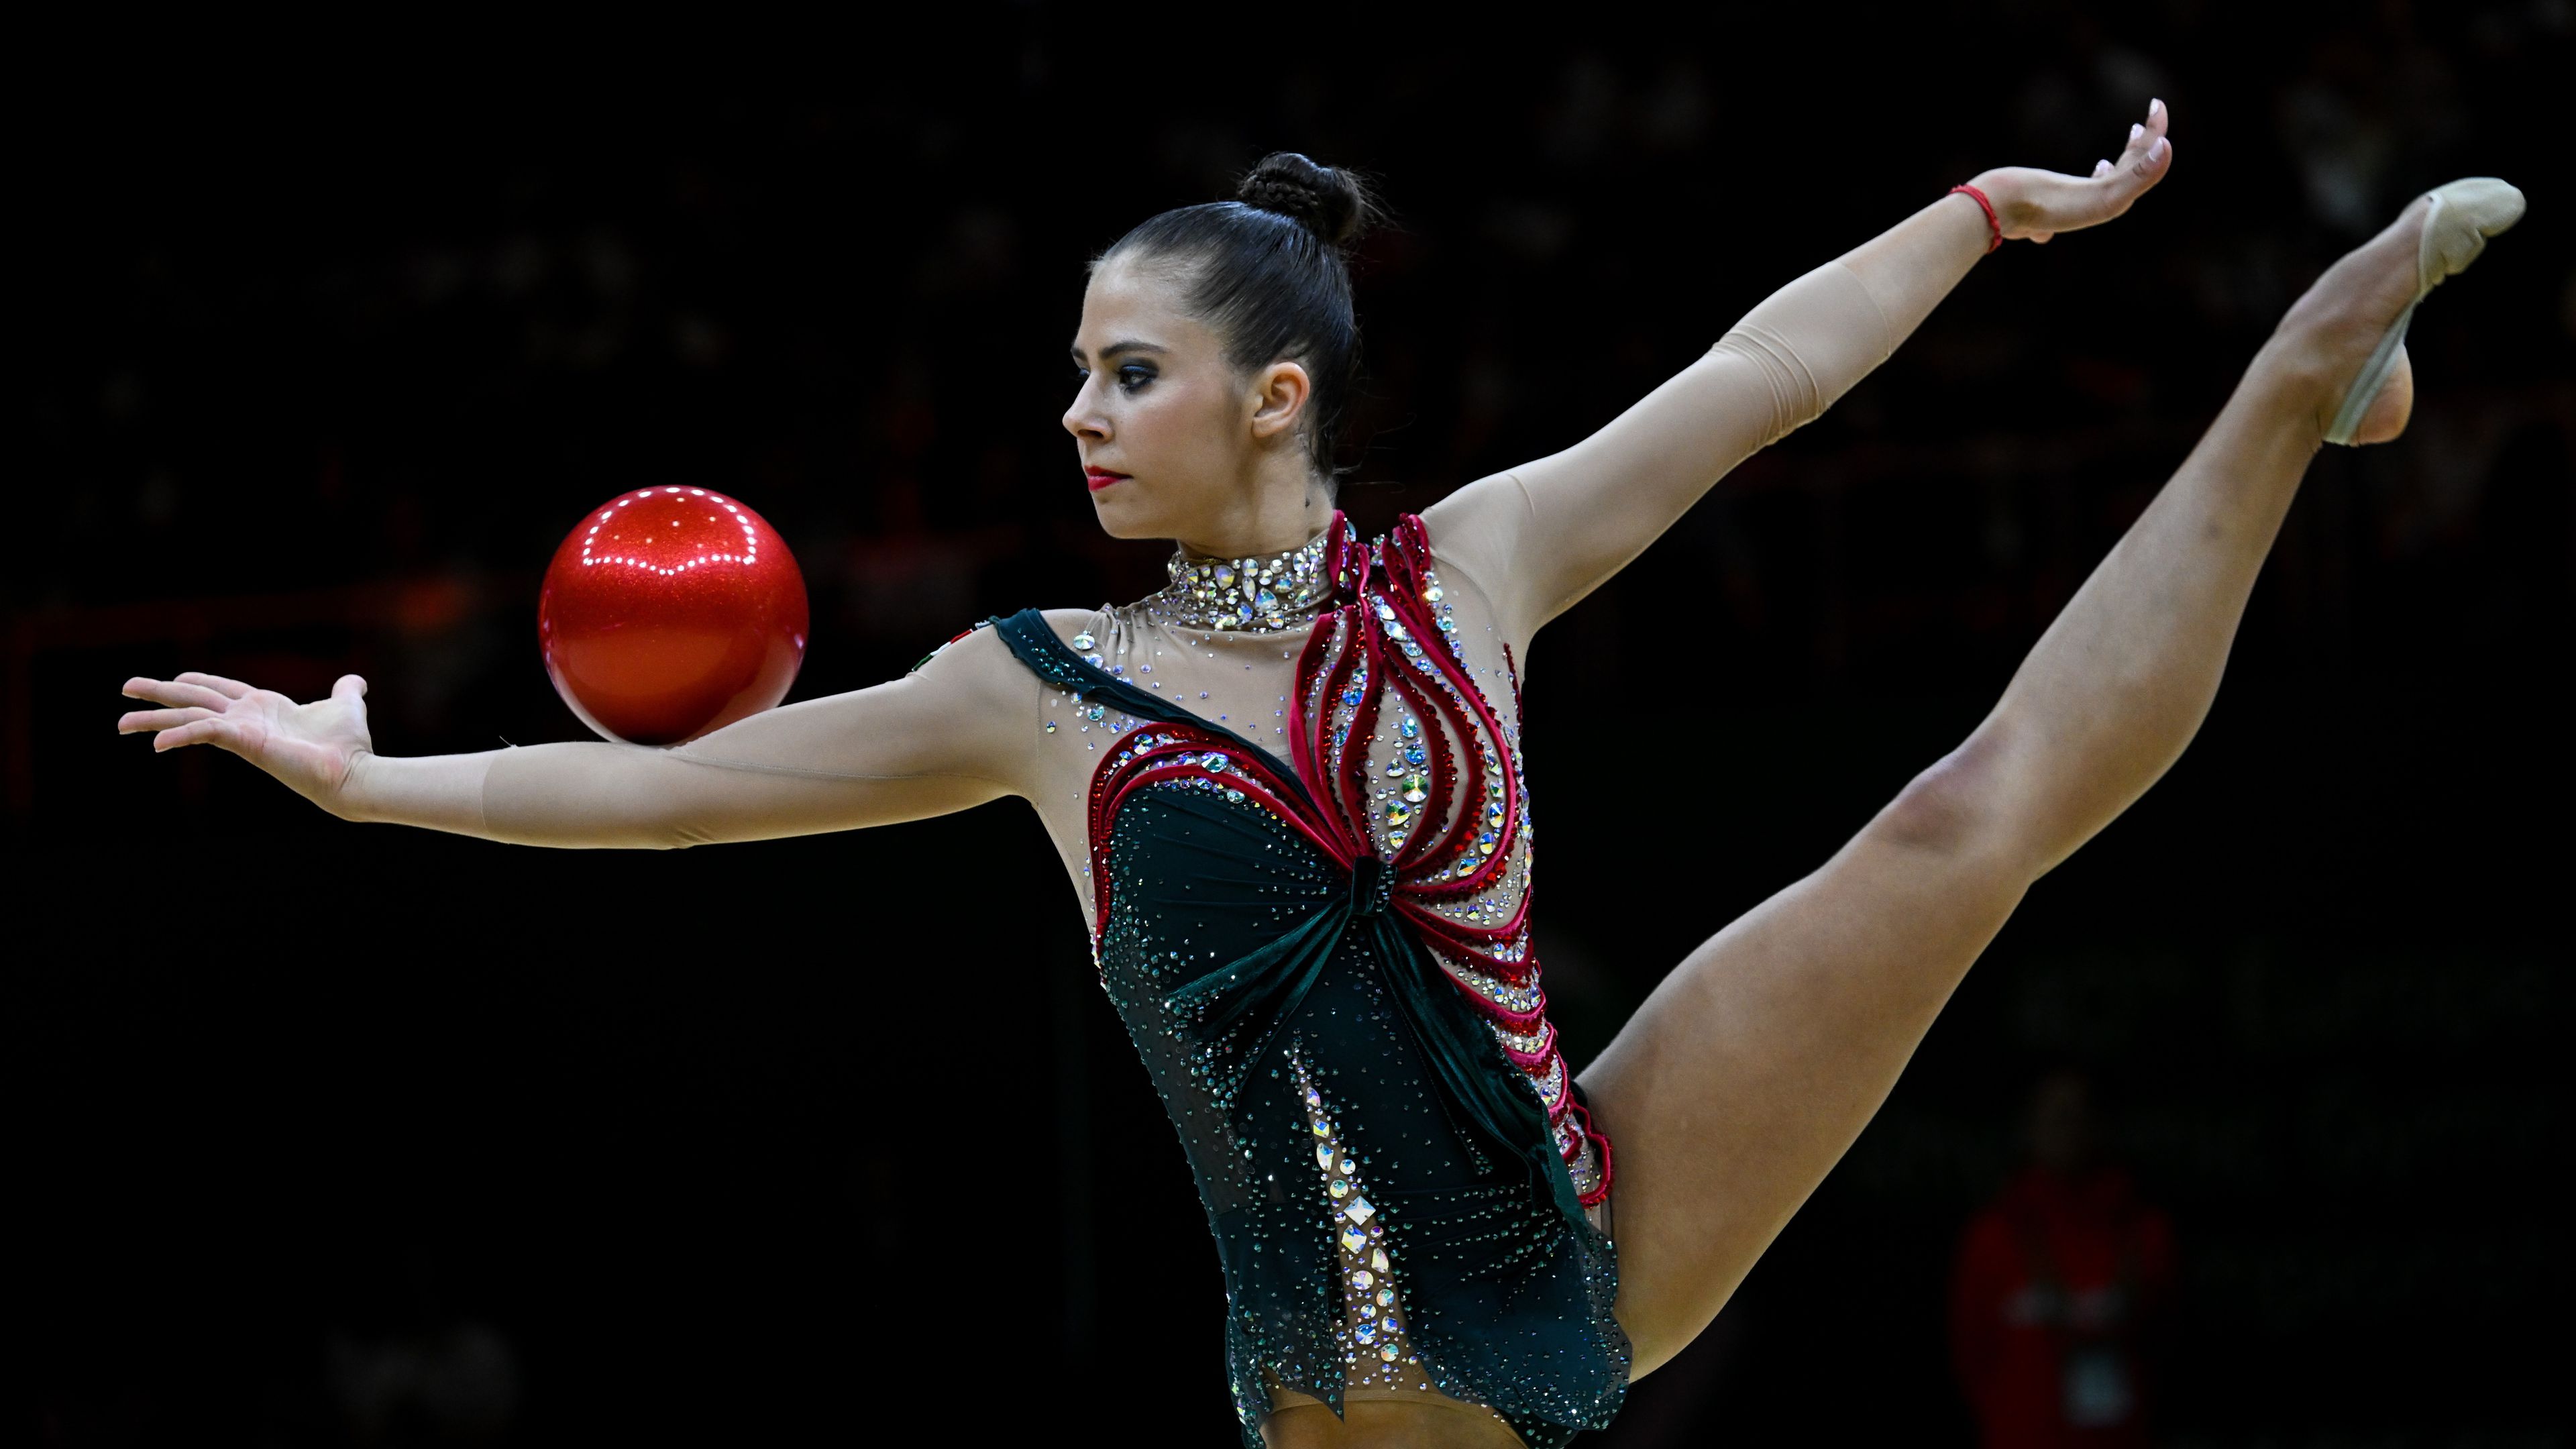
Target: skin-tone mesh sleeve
1810, 342
1540, 537
953, 734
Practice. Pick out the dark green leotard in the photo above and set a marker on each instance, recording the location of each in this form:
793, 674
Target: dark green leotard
1390, 1178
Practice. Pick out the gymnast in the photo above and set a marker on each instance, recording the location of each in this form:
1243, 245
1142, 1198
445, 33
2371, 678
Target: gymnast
1289, 793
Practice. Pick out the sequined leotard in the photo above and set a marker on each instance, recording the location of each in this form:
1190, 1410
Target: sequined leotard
1323, 954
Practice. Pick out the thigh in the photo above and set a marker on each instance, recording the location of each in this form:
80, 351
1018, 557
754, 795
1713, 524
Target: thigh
1751, 1068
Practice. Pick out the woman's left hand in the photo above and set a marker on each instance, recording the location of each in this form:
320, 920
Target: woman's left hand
2035, 205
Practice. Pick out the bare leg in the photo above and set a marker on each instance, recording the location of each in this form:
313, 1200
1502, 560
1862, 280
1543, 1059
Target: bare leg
1749, 1071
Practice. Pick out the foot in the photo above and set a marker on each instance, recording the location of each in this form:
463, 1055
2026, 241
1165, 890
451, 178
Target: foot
2332, 337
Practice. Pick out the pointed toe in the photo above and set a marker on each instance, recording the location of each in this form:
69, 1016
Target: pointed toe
2465, 214
2462, 215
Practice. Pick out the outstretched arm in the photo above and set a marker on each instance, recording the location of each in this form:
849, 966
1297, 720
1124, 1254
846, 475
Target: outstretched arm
1540, 537
951, 735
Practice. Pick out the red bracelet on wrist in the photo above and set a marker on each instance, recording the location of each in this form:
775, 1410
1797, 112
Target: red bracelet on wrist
1994, 228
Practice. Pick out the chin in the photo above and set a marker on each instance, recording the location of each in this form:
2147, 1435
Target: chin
1122, 519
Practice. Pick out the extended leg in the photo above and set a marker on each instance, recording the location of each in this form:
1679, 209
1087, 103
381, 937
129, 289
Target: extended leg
1753, 1066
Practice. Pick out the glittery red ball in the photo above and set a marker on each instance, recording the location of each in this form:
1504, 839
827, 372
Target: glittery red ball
670, 612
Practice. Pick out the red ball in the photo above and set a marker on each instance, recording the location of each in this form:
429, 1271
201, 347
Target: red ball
670, 612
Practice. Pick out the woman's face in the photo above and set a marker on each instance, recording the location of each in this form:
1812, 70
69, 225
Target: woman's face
1172, 438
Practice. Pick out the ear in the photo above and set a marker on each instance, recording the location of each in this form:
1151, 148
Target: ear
1279, 394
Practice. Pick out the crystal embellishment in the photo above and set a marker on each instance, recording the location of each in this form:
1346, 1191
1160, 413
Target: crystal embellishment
1235, 594
1372, 1349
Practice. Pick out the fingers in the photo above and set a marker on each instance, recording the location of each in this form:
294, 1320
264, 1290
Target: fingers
137, 721
229, 688
211, 730
2151, 167
2148, 150
2101, 169
2144, 135
349, 687
172, 692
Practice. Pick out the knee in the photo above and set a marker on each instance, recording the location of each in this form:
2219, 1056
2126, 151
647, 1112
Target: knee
1959, 808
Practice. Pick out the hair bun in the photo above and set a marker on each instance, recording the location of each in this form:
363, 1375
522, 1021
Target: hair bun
1326, 200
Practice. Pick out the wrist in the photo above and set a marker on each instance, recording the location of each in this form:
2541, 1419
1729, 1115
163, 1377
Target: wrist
352, 801
2012, 209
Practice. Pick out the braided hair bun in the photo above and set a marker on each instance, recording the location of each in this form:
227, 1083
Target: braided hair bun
1326, 200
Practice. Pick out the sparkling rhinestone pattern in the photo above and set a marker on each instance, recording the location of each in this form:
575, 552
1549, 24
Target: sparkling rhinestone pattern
1375, 1349
1282, 591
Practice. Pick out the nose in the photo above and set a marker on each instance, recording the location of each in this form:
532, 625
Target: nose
1083, 420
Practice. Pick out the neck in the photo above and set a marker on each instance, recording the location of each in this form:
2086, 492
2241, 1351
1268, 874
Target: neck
1269, 518
1250, 592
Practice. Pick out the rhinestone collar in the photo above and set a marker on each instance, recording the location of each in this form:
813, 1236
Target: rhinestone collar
1245, 595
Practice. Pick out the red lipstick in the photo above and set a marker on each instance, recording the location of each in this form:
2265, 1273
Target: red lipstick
1100, 478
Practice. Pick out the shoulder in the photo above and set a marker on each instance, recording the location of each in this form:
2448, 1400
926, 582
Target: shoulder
1066, 623
1477, 531
973, 666
1495, 503
983, 650
1420, 554
1072, 626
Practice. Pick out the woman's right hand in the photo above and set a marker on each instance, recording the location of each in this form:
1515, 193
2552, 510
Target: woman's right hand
311, 747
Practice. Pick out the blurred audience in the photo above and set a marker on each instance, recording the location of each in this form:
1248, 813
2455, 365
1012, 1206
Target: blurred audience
456, 1385
2059, 1284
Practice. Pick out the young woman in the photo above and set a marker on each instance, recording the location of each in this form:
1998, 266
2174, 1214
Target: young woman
1289, 793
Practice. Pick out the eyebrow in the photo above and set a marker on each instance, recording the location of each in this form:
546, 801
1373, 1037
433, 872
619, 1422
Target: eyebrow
1125, 345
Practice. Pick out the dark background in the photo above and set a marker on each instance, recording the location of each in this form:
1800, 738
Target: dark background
335, 1135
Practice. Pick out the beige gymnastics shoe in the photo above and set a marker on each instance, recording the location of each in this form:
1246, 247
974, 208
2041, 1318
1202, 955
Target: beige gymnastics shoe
2463, 215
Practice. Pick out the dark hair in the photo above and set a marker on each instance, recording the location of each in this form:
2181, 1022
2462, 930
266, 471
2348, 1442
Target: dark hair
1269, 273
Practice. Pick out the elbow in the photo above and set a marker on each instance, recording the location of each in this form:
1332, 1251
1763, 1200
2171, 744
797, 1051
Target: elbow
1796, 399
